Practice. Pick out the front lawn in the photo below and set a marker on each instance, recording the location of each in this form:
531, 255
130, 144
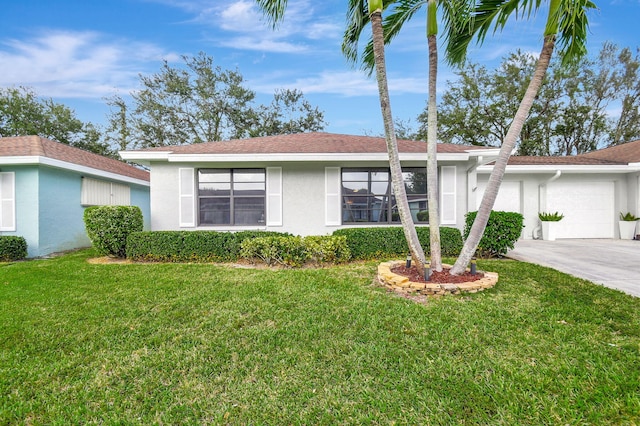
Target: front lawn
208, 344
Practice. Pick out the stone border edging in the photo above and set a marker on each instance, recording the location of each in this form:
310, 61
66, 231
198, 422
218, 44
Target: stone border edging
402, 284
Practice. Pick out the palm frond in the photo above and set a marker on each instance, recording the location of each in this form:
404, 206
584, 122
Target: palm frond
402, 12
273, 10
357, 20
573, 27
488, 15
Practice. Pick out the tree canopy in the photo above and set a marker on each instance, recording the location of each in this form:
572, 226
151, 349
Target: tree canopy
570, 115
201, 102
23, 113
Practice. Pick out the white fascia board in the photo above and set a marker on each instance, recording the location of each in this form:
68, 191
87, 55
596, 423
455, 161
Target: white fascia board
51, 162
144, 156
565, 168
489, 152
298, 157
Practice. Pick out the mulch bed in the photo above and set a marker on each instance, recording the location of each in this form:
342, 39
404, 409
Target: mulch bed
443, 277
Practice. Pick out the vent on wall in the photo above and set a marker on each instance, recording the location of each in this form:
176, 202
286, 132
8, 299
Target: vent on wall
102, 193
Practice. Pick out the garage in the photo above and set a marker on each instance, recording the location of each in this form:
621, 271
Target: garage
588, 208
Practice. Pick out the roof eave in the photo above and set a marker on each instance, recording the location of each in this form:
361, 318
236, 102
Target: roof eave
155, 156
567, 168
46, 161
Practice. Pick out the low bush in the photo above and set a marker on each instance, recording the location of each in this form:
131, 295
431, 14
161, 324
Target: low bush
502, 231
287, 251
293, 251
327, 249
189, 246
12, 248
373, 243
109, 226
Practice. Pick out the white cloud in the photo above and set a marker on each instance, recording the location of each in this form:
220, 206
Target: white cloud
76, 64
242, 25
343, 83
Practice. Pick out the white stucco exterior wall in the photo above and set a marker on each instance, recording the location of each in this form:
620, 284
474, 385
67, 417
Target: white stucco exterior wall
304, 196
591, 202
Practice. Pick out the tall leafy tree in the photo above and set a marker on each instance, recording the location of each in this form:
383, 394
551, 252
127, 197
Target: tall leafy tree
289, 112
627, 71
569, 115
201, 102
23, 113
566, 21
360, 11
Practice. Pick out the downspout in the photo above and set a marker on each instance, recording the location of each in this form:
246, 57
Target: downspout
472, 180
542, 197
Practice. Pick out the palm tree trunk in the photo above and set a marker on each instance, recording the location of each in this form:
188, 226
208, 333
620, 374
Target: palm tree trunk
509, 143
432, 164
392, 144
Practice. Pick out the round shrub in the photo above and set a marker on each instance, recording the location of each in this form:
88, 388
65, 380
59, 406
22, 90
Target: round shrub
502, 231
12, 248
109, 226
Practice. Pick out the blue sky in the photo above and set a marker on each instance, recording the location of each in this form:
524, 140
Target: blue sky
79, 52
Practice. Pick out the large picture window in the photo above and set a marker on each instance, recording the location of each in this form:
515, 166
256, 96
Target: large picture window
231, 196
367, 195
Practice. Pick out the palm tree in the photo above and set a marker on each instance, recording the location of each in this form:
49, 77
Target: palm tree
454, 14
363, 12
566, 20
409, 228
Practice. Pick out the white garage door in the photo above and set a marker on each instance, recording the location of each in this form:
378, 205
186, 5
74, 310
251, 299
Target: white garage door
508, 199
588, 208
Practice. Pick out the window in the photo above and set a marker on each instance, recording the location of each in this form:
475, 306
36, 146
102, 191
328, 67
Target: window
231, 196
102, 193
367, 195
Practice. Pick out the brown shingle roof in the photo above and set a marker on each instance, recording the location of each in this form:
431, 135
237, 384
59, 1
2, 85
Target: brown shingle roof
625, 153
616, 155
307, 143
31, 146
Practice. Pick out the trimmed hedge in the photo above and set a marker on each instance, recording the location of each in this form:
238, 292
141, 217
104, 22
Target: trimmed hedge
189, 246
373, 243
109, 226
12, 248
502, 231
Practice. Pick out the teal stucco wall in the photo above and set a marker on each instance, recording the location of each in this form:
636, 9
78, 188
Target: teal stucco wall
61, 225
26, 192
48, 211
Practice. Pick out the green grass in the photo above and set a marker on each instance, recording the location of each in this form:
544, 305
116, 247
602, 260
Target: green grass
208, 344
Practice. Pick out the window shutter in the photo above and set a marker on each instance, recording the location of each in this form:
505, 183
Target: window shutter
274, 196
448, 195
7, 201
187, 185
333, 195
102, 193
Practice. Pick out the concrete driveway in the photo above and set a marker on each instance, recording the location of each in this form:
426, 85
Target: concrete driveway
612, 263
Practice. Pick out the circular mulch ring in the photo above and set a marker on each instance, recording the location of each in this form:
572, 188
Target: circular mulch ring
389, 275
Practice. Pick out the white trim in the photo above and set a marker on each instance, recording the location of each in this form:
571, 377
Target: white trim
46, 161
7, 201
146, 157
566, 168
448, 185
273, 208
187, 199
333, 196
